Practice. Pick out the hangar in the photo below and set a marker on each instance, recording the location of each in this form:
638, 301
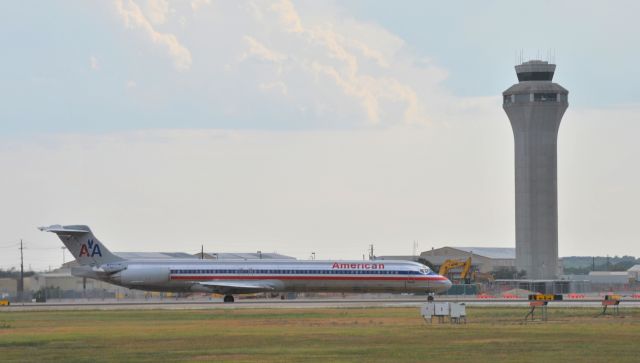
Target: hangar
484, 259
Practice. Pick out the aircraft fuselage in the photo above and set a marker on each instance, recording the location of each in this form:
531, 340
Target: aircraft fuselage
278, 275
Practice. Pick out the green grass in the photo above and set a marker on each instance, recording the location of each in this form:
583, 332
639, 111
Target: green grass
362, 335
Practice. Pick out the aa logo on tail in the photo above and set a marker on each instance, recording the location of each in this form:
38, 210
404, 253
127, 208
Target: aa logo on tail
90, 249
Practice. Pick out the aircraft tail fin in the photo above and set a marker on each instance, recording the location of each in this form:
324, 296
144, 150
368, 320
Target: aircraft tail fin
83, 245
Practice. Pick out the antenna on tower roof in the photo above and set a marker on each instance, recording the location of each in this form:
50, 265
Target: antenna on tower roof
521, 56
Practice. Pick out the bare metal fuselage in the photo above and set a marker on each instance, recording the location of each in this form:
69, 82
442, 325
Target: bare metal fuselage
237, 277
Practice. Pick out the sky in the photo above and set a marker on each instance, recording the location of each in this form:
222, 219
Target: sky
305, 126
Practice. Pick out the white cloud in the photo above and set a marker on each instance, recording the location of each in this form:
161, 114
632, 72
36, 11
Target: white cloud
277, 86
288, 16
197, 4
338, 70
259, 50
93, 63
134, 18
331, 51
156, 11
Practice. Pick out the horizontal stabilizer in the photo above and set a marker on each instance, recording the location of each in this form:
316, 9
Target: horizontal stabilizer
65, 230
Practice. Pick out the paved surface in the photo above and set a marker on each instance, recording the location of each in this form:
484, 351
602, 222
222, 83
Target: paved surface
285, 304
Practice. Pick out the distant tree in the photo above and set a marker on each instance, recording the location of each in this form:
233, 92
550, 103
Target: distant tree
504, 272
584, 264
7, 273
577, 270
622, 265
13, 273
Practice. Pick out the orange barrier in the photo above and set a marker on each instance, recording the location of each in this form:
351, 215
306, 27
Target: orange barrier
635, 296
510, 296
575, 296
485, 296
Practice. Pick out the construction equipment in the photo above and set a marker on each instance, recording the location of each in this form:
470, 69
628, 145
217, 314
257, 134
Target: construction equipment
4, 302
449, 265
478, 276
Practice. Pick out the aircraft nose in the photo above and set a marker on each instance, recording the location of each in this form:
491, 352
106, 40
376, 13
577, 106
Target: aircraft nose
445, 284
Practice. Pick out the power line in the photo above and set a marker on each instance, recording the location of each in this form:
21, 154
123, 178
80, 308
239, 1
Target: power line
9, 246
41, 248
28, 246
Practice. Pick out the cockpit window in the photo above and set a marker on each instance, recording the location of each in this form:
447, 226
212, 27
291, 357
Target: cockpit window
425, 271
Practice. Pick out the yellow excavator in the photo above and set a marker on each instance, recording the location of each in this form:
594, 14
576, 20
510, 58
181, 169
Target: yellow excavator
478, 276
449, 265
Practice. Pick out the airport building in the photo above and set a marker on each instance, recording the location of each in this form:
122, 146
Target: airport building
483, 259
535, 106
634, 273
609, 277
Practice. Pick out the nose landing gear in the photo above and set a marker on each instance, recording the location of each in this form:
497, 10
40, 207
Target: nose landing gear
228, 299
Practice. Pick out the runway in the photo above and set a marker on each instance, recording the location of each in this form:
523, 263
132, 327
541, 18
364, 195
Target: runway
286, 304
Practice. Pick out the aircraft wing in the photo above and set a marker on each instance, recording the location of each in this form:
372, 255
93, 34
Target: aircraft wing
239, 286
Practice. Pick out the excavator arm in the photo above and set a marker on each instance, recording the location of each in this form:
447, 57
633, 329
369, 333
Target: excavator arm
449, 265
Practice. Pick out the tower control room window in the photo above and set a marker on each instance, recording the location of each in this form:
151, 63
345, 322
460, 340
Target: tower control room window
545, 97
535, 76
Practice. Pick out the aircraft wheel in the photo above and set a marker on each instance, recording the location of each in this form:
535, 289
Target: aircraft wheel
228, 298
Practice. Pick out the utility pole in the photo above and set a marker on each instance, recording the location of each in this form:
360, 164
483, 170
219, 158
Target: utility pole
371, 252
21, 281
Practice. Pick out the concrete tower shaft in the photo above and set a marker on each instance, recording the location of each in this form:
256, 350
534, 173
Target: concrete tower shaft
535, 107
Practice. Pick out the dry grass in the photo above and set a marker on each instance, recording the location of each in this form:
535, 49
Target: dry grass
367, 335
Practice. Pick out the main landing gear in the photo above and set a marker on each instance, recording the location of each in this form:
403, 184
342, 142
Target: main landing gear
228, 298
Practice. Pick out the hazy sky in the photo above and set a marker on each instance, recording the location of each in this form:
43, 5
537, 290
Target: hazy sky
308, 126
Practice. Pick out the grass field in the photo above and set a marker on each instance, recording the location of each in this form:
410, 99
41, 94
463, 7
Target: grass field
353, 334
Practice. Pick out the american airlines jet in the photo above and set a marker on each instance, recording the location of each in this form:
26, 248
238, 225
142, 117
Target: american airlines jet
229, 277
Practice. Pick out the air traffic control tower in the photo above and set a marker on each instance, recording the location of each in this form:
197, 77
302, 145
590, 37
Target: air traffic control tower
535, 106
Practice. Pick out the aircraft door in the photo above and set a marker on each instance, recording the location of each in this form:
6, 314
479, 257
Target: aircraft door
410, 284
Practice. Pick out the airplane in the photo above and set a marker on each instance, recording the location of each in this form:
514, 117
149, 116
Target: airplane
232, 277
